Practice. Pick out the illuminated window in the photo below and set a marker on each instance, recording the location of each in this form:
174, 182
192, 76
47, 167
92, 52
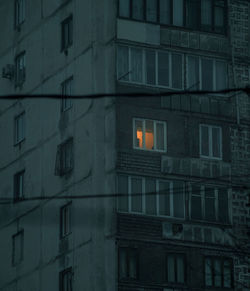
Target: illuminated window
149, 135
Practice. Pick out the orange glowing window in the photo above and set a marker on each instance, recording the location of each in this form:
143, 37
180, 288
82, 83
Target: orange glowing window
139, 138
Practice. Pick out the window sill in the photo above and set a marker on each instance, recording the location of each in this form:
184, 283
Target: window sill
205, 158
151, 151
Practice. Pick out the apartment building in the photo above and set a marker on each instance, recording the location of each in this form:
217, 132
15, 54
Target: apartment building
147, 190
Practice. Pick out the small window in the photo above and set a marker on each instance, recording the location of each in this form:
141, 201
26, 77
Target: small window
19, 12
66, 88
19, 131
65, 220
19, 186
218, 272
17, 248
175, 268
64, 158
128, 263
67, 33
210, 141
150, 135
20, 69
65, 280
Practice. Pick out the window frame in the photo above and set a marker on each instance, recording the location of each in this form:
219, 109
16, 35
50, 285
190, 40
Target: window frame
216, 202
17, 119
210, 141
222, 261
67, 38
61, 157
14, 237
65, 220
129, 253
155, 122
143, 196
19, 176
143, 81
20, 69
66, 102
19, 13
62, 274
184, 260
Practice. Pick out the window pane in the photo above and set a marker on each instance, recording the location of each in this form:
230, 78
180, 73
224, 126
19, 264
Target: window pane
123, 190
149, 136
122, 63
138, 134
196, 206
221, 75
219, 20
192, 13
207, 74
160, 136
164, 198
204, 141
165, 11
151, 12
178, 12
180, 269
136, 65
137, 9
136, 195
178, 199
122, 263
209, 204
223, 212
163, 69
124, 8
150, 67
176, 71
206, 14
227, 274
193, 73
150, 196
208, 272
216, 142
171, 268
217, 273
132, 265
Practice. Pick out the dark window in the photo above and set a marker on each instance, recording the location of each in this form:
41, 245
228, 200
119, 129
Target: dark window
210, 141
19, 128
66, 88
175, 268
128, 263
19, 12
20, 69
19, 186
218, 272
64, 158
67, 33
65, 280
205, 15
65, 220
17, 248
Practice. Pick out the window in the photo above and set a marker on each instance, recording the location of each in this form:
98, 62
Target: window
210, 142
19, 12
210, 203
206, 74
150, 67
128, 263
204, 15
151, 196
67, 33
17, 248
150, 135
66, 88
65, 220
218, 272
19, 186
65, 280
20, 69
19, 128
64, 158
175, 268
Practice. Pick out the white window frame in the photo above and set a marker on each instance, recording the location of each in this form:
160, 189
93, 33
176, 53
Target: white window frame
143, 134
210, 141
119, 78
157, 182
202, 195
214, 87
